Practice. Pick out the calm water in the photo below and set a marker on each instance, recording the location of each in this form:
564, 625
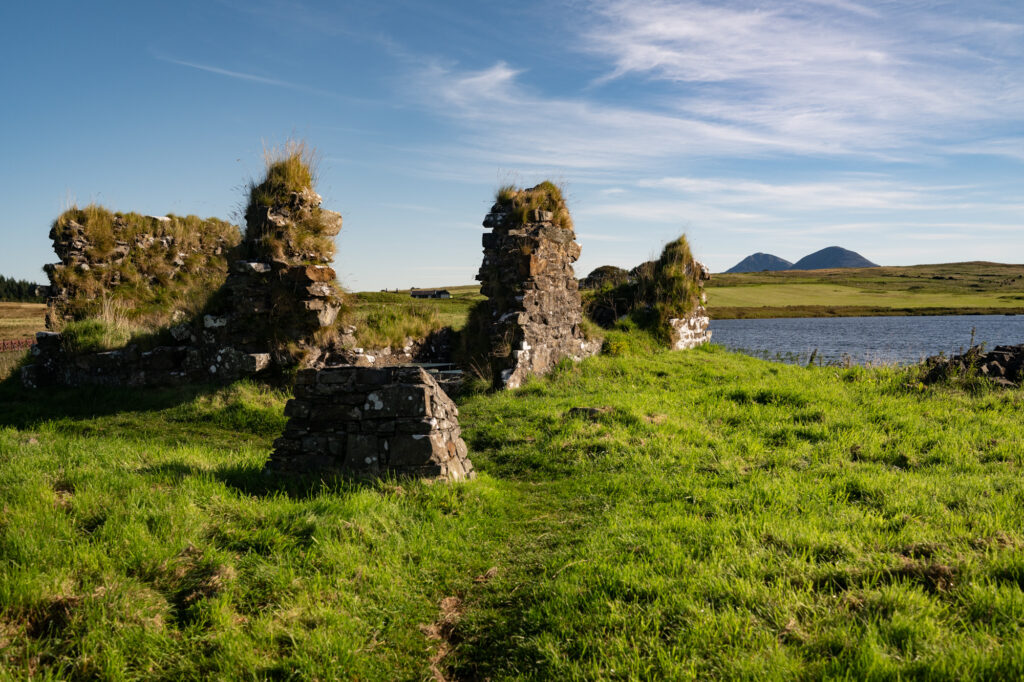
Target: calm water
865, 340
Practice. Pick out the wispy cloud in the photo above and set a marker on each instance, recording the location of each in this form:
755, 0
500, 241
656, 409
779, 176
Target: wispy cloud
844, 76
239, 75
256, 78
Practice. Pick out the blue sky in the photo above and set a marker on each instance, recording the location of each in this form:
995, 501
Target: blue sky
895, 129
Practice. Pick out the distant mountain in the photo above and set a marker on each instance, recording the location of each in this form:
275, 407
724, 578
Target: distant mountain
760, 262
833, 257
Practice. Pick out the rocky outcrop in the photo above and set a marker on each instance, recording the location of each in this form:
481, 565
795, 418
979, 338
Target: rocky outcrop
1003, 365
532, 317
368, 422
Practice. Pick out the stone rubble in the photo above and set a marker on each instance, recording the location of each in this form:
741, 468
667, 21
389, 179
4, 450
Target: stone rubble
370, 422
1003, 365
533, 300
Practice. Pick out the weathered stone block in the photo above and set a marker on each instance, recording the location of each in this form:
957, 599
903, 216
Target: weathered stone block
388, 429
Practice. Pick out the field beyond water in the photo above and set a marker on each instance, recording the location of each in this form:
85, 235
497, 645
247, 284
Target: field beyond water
718, 517
978, 288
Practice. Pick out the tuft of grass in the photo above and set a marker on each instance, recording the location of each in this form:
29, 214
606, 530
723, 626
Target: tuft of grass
546, 196
290, 171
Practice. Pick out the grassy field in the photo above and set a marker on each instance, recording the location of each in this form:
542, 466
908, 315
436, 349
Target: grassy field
388, 318
952, 288
21, 320
725, 517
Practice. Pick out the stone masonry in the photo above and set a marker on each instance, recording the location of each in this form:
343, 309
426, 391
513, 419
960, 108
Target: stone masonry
277, 301
152, 247
368, 422
266, 316
693, 330
533, 312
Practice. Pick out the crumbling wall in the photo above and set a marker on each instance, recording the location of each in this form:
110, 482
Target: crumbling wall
151, 268
363, 421
277, 308
665, 295
532, 317
283, 299
692, 329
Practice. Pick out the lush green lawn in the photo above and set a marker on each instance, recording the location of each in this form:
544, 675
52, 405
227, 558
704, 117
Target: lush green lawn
727, 517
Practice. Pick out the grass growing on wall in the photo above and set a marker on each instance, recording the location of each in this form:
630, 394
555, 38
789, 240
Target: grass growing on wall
547, 196
290, 170
146, 283
724, 517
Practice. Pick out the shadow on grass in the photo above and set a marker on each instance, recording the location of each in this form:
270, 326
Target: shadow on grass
23, 408
254, 482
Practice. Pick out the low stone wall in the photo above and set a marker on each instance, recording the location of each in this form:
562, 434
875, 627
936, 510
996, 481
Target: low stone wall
133, 366
364, 421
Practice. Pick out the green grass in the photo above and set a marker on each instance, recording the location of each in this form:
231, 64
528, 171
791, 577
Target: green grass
388, 318
726, 517
975, 287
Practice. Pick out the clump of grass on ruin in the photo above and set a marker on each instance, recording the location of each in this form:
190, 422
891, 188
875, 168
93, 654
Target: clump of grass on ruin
654, 292
289, 170
547, 196
721, 517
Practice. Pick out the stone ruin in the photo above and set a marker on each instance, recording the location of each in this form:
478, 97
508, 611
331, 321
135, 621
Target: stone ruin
362, 422
692, 330
532, 317
103, 253
276, 309
283, 294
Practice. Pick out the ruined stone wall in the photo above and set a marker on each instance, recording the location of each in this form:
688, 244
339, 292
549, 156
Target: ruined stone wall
277, 308
692, 330
364, 421
532, 317
151, 267
279, 300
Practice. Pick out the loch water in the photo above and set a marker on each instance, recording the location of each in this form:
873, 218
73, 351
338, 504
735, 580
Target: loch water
865, 340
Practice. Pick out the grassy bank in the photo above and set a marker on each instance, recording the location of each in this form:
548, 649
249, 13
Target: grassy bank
951, 288
725, 517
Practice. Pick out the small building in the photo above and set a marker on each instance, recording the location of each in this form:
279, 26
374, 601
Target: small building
430, 293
